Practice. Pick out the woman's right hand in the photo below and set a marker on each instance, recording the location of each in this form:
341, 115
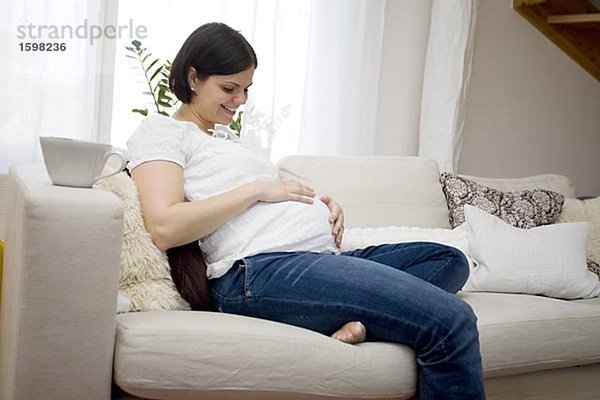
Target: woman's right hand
276, 190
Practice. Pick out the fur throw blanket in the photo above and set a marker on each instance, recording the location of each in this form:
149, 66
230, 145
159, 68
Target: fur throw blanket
145, 274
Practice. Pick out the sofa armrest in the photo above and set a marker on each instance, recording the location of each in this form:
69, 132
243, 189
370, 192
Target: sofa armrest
59, 294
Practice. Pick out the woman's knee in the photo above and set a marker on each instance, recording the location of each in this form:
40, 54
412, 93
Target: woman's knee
455, 271
462, 318
459, 262
453, 325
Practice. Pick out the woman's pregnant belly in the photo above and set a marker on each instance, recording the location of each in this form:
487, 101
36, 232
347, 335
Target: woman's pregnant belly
270, 227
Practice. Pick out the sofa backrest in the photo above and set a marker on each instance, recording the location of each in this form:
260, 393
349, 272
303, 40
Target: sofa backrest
554, 182
375, 191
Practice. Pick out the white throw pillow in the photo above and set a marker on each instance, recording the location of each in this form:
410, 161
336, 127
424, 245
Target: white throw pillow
357, 238
549, 260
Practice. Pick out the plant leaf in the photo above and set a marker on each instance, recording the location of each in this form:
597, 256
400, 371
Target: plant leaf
158, 70
152, 64
157, 90
166, 96
144, 112
166, 100
164, 103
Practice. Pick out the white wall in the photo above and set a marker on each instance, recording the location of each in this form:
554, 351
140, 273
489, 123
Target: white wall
530, 108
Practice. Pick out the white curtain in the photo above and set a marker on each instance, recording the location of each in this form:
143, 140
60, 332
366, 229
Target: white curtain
315, 89
320, 62
406, 32
342, 77
446, 80
46, 93
274, 111
278, 31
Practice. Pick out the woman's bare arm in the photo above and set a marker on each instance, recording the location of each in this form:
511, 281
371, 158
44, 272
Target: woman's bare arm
171, 221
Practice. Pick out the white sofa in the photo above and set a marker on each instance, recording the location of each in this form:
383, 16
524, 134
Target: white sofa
59, 295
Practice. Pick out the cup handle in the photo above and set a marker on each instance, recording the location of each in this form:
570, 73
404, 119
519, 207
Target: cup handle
116, 171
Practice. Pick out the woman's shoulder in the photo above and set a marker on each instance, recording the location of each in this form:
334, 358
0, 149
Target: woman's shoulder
160, 137
160, 127
158, 122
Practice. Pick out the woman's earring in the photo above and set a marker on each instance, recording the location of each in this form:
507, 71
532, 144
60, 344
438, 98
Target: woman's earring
192, 89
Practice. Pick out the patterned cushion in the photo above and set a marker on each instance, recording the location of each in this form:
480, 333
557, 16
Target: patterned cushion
522, 209
594, 267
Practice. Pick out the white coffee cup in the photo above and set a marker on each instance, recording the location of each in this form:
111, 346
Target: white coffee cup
77, 163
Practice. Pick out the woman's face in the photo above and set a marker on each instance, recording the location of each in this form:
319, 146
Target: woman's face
216, 99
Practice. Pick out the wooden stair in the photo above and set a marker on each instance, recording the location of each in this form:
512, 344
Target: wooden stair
573, 25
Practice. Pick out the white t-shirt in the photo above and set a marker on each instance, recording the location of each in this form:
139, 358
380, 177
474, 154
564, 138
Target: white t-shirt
214, 165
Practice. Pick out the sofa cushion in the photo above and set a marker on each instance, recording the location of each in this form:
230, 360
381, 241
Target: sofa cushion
587, 211
548, 260
523, 209
525, 333
375, 191
356, 238
174, 355
553, 182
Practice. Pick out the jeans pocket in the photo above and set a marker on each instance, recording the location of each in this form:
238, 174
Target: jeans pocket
231, 286
247, 267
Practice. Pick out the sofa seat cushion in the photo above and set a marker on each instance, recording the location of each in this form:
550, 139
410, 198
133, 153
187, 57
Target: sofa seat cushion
180, 355
525, 333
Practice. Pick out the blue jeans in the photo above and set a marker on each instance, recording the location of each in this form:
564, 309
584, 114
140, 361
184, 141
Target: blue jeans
402, 293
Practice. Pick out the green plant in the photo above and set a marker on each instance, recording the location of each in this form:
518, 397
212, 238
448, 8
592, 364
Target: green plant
236, 124
157, 79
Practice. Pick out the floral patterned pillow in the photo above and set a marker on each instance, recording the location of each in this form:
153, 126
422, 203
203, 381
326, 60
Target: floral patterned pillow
594, 267
522, 209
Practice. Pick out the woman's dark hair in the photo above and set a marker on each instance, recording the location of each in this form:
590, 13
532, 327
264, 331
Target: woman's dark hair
188, 272
212, 49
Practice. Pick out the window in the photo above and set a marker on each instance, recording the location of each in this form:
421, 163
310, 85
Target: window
278, 32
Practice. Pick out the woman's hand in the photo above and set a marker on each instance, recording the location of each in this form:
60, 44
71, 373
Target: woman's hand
336, 219
276, 190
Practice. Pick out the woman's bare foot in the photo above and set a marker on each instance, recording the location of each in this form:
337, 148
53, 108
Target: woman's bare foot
351, 333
